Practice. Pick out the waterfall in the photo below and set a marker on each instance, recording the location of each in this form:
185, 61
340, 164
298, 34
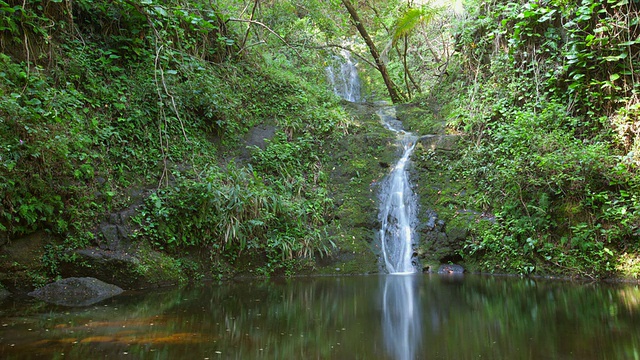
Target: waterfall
343, 77
398, 204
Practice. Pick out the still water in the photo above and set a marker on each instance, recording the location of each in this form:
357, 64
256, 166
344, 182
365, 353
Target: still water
356, 317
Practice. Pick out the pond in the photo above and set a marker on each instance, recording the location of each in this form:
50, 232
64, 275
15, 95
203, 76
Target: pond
351, 317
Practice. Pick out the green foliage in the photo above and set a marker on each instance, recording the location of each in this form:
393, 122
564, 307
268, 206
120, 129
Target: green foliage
547, 83
99, 97
232, 211
411, 18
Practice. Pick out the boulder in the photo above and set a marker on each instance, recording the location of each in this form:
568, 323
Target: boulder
450, 269
137, 269
117, 267
76, 292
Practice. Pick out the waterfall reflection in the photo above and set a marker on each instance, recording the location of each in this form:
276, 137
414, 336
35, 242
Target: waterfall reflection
401, 316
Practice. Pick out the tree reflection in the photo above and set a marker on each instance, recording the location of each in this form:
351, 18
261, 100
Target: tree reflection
352, 317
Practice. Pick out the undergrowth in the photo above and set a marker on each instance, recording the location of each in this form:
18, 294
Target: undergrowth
99, 97
550, 104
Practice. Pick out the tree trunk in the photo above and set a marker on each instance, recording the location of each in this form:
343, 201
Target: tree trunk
396, 96
406, 67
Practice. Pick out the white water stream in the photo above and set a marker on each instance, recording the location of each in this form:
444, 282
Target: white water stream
343, 76
398, 217
398, 203
401, 312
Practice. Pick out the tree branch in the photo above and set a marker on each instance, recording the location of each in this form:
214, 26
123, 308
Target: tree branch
344, 48
269, 30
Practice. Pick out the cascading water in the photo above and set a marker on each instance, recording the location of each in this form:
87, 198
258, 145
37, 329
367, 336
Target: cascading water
343, 76
400, 310
398, 204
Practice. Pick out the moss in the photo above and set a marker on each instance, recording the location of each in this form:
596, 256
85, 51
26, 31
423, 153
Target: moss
160, 269
420, 120
359, 162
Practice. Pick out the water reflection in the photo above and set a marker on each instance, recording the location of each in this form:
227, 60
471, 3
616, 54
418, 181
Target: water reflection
366, 317
401, 316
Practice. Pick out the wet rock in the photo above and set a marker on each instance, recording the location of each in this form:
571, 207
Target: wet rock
450, 269
76, 292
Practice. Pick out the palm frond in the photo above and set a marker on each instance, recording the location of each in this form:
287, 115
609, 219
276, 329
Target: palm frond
407, 22
412, 17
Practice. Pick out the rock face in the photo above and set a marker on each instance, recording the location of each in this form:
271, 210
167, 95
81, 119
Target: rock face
439, 243
76, 292
116, 259
21, 258
114, 266
113, 233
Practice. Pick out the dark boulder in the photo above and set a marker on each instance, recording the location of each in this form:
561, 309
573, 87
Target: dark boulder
138, 269
450, 269
117, 267
76, 292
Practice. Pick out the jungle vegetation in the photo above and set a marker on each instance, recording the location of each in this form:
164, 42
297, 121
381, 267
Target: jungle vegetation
110, 104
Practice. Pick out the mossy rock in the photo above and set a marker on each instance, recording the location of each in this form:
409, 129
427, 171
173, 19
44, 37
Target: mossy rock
142, 268
440, 142
359, 162
420, 120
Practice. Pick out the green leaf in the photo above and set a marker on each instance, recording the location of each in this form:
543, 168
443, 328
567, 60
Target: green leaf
159, 10
630, 43
616, 57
